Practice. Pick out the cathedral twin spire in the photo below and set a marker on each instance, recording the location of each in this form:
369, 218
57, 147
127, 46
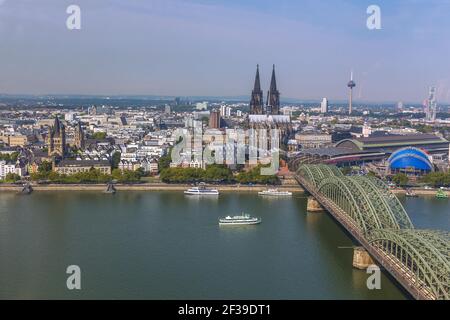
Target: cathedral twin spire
273, 96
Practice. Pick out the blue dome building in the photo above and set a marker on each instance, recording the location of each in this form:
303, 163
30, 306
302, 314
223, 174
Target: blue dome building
410, 160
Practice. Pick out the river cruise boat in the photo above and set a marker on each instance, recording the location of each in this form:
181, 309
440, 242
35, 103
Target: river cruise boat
243, 219
274, 192
202, 190
411, 194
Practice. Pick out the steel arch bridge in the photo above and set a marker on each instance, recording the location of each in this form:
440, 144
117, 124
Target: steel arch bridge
418, 259
425, 253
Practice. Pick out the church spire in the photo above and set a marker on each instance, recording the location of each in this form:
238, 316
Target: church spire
79, 136
273, 96
256, 102
57, 127
273, 81
257, 85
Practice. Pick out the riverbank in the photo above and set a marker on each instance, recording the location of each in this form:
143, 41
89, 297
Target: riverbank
144, 187
419, 192
180, 187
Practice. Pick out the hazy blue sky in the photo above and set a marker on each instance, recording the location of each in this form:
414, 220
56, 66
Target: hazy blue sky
211, 47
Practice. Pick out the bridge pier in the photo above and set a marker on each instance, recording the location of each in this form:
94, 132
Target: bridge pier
361, 258
313, 205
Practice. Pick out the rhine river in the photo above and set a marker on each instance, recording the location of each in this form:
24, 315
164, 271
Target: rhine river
165, 245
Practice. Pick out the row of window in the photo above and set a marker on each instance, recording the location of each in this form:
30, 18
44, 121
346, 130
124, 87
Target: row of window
64, 170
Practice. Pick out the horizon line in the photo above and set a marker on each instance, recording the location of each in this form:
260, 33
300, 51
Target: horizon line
200, 97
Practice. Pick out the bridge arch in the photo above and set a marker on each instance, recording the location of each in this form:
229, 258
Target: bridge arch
348, 198
425, 253
419, 259
316, 173
371, 208
387, 204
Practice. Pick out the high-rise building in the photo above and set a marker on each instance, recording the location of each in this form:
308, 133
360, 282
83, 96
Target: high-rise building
214, 119
324, 105
225, 111
351, 84
92, 110
57, 139
167, 109
366, 130
69, 116
273, 96
256, 102
431, 105
400, 106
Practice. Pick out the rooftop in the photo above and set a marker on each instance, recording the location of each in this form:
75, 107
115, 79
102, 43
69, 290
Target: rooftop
392, 141
401, 138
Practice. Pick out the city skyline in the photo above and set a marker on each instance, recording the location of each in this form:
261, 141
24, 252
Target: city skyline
201, 48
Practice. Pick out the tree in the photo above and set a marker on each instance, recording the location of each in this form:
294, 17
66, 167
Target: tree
436, 179
99, 135
115, 159
218, 173
400, 179
254, 176
45, 167
12, 177
124, 176
164, 161
9, 157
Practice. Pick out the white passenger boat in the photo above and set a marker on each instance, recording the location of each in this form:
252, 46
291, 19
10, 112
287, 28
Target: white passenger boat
201, 190
243, 219
274, 192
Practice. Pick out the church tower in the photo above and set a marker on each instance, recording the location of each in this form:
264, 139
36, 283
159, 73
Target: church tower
57, 139
79, 136
256, 102
273, 96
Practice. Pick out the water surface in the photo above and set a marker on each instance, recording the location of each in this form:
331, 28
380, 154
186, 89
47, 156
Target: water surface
165, 245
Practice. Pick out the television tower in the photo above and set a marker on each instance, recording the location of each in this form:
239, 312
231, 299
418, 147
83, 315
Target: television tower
351, 84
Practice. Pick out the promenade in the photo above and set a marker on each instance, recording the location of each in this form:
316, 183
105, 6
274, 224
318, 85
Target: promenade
145, 187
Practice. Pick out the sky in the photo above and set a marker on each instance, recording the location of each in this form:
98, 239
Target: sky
211, 48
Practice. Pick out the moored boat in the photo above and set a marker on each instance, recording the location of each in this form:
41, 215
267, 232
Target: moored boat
441, 194
274, 192
201, 190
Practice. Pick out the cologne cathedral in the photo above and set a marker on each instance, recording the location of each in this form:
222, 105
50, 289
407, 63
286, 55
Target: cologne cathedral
273, 96
268, 116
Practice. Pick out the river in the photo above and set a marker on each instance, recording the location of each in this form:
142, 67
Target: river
165, 245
